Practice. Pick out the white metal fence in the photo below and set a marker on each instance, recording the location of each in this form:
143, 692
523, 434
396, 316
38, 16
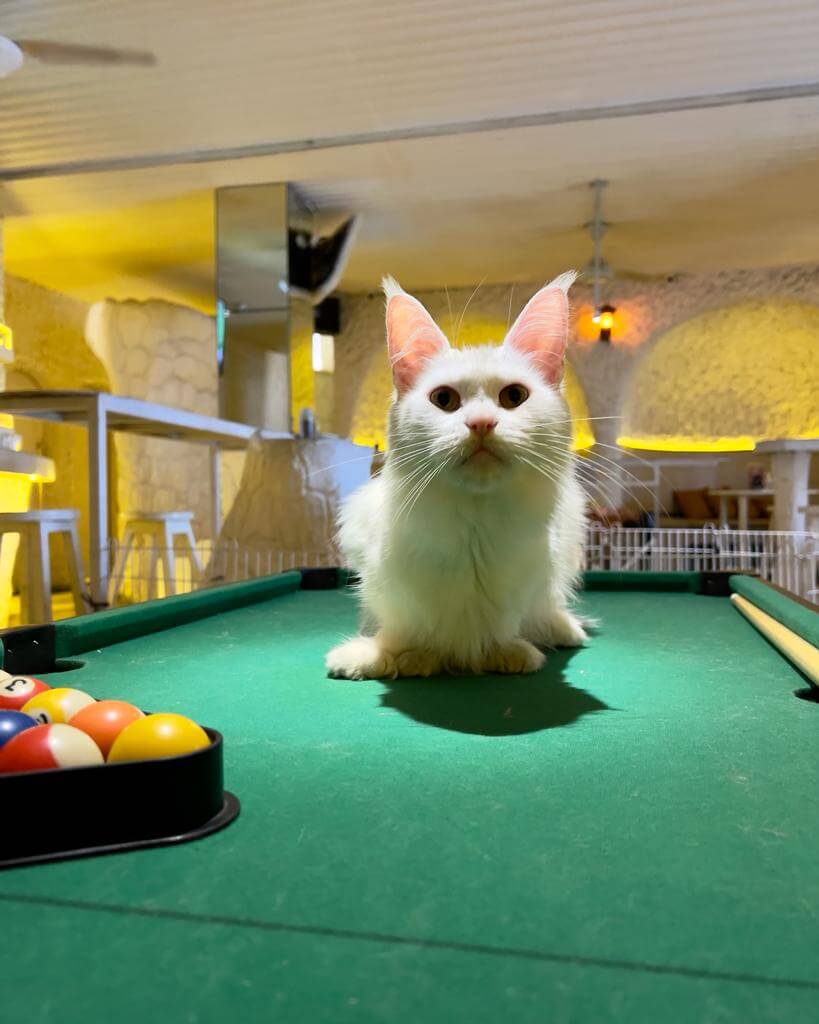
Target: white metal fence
149, 572
791, 560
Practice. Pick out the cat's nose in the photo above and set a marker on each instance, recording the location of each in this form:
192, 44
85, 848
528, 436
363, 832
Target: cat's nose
481, 425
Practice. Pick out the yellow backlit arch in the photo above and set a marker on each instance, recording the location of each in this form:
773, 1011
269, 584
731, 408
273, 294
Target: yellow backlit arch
727, 379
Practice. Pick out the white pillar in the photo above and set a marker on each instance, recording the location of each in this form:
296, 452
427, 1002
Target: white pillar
790, 471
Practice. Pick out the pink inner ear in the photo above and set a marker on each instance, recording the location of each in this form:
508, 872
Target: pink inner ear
541, 332
413, 338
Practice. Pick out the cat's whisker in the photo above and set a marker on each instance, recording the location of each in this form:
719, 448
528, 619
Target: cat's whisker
616, 483
594, 485
607, 475
463, 311
646, 485
509, 313
410, 454
419, 486
545, 472
627, 452
585, 419
597, 457
424, 486
406, 479
336, 465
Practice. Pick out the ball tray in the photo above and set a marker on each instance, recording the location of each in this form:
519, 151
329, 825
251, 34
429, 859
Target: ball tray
76, 812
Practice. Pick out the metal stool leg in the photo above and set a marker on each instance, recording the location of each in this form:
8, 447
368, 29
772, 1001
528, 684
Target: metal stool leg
169, 560
153, 572
28, 581
120, 565
39, 576
196, 561
71, 542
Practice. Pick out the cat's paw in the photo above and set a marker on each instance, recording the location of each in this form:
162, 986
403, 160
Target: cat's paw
514, 658
561, 629
418, 662
567, 631
361, 658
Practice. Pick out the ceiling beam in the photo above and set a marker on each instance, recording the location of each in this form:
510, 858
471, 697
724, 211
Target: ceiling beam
642, 108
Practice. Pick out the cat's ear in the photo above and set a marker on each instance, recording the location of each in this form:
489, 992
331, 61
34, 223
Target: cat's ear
413, 337
541, 332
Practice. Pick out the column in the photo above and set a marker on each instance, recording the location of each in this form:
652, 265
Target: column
790, 471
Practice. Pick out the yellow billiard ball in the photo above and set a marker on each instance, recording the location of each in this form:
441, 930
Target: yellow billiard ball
163, 735
57, 705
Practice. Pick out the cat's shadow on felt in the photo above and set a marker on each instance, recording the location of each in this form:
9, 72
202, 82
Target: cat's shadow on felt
494, 705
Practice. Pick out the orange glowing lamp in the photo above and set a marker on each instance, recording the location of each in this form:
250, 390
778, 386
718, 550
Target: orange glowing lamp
605, 320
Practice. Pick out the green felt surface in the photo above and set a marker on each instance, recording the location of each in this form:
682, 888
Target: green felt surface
632, 829
804, 621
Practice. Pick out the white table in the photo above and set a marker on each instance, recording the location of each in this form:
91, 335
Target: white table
100, 412
743, 497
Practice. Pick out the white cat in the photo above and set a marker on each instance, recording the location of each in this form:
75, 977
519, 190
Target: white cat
469, 541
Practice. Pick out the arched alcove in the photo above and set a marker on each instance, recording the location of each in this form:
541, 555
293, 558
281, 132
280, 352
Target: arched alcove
726, 379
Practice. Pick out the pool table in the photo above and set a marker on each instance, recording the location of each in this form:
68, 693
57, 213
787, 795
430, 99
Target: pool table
631, 834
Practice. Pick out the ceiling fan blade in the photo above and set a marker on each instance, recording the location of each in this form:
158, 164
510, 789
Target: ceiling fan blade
69, 53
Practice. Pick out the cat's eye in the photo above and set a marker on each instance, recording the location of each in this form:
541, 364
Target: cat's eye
512, 396
446, 398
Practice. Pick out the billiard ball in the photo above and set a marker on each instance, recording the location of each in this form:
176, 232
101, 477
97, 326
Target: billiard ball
57, 705
104, 720
15, 691
153, 736
13, 722
48, 746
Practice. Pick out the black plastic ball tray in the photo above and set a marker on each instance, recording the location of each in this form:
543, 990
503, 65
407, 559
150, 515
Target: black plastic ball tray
77, 812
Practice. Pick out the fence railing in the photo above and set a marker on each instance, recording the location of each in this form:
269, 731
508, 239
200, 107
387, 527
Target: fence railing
790, 560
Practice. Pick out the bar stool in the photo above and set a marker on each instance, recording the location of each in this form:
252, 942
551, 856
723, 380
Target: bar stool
35, 527
161, 529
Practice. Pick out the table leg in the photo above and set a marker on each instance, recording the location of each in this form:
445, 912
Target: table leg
742, 511
98, 504
215, 492
723, 510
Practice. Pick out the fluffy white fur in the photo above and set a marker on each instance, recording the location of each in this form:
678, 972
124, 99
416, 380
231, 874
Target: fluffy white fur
468, 557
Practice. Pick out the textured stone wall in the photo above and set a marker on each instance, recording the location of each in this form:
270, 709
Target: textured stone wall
748, 372
162, 353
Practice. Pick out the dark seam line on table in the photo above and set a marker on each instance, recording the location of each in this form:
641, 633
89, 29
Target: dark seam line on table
405, 940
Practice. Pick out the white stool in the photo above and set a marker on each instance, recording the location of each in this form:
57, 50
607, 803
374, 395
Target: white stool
35, 528
161, 529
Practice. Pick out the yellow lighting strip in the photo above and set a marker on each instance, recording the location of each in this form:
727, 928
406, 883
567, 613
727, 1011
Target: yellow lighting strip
687, 444
6, 338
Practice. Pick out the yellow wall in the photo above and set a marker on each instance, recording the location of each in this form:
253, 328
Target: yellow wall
726, 379
14, 497
50, 351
